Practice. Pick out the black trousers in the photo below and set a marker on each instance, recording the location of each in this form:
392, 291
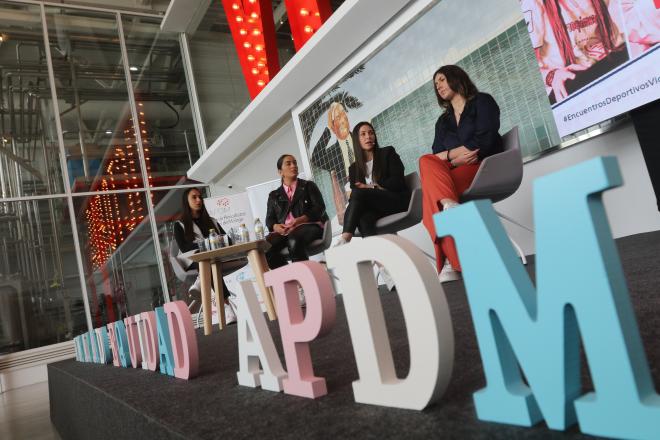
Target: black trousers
367, 205
296, 242
225, 290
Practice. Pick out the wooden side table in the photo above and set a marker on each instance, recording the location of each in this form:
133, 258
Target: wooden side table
211, 263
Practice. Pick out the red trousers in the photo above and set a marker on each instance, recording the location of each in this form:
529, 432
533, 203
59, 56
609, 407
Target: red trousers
440, 181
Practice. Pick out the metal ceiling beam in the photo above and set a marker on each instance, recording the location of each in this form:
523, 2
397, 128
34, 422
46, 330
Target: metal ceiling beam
184, 15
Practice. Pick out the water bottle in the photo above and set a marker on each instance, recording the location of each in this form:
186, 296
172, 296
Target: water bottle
245, 234
214, 242
258, 229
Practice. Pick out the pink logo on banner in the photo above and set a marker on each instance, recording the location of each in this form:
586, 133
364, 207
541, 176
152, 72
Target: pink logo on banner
297, 331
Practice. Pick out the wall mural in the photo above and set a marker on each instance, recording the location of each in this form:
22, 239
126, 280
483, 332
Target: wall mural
393, 90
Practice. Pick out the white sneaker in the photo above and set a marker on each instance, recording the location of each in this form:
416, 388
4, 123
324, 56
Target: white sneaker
385, 276
448, 273
194, 290
340, 242
230, 316
301, 297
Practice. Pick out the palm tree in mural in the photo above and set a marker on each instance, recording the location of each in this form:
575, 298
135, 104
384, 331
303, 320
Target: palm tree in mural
319, 107
323, 153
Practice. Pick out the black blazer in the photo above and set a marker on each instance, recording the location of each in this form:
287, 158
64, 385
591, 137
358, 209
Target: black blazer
307, 200
390, 168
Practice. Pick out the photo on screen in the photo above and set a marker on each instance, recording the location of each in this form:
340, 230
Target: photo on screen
597, 58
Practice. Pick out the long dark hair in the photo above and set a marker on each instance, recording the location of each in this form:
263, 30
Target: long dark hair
205, 222
604, 27
360, 163
458, 80
280, 162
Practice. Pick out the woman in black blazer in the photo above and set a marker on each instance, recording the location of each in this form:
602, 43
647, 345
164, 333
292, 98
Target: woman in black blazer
295, 215
196, 224
378, 187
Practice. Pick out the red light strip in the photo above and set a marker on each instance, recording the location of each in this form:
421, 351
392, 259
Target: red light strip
253, 30
305, 18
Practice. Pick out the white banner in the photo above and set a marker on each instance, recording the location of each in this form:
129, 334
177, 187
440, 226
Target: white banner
632, 86
231, 211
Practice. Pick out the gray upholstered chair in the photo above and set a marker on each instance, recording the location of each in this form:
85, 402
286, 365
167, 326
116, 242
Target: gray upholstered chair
498, 177
181, 273
391, 224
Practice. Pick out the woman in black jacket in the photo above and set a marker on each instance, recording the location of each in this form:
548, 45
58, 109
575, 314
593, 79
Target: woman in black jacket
295, 215
195, 225
378, 187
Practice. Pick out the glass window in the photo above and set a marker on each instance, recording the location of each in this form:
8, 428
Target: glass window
40, 295
159, 83
29, 152
93, 100
221, 88
118, 255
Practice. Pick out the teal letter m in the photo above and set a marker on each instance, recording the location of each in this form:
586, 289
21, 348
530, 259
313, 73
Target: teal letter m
580, 291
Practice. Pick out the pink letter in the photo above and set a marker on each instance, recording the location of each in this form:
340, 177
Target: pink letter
183, 338
298, 332
133, 341
113, 344
149, 339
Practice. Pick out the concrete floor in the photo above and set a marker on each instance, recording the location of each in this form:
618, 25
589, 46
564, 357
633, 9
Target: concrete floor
25, 414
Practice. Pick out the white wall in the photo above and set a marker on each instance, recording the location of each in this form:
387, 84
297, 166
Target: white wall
631, 208
260, 165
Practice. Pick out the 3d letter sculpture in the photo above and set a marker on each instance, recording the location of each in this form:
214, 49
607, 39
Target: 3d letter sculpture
296, 331
425, 312
581, 291
255, 345
185, 354
112, 336
148, 340
133, 341
122, 344
105, 356
165, 359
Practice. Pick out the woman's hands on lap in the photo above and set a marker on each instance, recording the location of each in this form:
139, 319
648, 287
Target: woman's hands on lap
280, 228
364, 185
464, 156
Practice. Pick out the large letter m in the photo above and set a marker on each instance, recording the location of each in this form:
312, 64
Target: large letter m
581, 290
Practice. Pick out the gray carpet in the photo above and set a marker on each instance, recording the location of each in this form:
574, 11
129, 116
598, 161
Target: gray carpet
107, 402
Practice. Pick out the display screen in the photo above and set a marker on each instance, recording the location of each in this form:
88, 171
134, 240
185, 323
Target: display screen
597, 58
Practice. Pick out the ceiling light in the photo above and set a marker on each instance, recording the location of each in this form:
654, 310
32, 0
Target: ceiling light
133, 69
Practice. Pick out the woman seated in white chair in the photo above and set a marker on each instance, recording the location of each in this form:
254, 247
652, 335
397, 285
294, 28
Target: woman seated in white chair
194, 226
